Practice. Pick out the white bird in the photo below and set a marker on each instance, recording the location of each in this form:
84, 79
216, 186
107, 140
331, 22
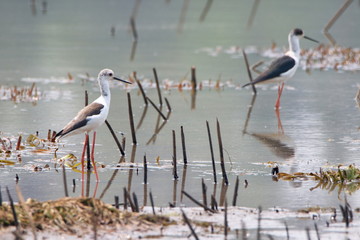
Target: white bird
284, 67
92, 116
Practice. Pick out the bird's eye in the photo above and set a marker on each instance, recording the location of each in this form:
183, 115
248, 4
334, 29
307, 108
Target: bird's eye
110, 74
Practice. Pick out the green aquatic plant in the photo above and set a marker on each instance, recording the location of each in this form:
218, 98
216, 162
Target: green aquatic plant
344, 178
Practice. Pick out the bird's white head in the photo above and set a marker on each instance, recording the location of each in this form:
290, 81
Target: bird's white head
103, 78
294, 37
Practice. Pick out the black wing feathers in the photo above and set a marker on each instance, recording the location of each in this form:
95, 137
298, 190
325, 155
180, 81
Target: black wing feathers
277, 67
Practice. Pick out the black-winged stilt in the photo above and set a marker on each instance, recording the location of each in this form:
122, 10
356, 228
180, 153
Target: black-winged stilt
284, 67
92, 116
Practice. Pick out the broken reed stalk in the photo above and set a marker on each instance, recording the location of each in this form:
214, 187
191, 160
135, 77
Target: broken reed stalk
74, 185
214, 205
337, 15
16, 222
175, 169
64, 179
157, 109
116, 198
128, 197
53, 136
123, 142
131, 118
248, 71
222, 163
252, 14
205, 10
236, 191
212, 152
193, 78
259, 224
307, 229
198, 203
183, 145
18, 143
125, 199
158, 86
145, 170
204, 188
115, 138
152, 203
49, 135
189, 225
317, 231
174, 156
141, 89
133, 29
287, 231
86, 98
168, 105
136, 204
225, 220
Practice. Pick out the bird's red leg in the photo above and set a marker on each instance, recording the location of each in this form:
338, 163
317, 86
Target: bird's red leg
93, 158
280, 89
82, 162
280, 127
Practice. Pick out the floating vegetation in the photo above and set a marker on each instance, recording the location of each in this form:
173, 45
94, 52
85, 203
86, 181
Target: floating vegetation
346, 178
69, 160
20, 94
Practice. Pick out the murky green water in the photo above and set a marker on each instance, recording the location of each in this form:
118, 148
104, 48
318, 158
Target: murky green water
319, 115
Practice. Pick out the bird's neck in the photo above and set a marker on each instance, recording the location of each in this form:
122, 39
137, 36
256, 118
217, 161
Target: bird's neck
294, 45
105, 90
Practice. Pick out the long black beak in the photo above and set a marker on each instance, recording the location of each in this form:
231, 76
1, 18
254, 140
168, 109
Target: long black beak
122, 80
311, 39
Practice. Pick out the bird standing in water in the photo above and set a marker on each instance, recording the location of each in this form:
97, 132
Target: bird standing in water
284, 67
92, 116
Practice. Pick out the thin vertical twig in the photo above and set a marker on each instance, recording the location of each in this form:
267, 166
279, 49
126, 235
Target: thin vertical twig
236, 191
136, 204
222, 163
131, 119
204, 188
157, 86
64, 179
259, 224
152, 203
252, 13
205, 10
225, 220
211, 152
116, 202
183, 145
133, 29
145, 170
193, 78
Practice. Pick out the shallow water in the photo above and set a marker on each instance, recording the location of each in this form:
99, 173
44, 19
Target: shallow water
319, 115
